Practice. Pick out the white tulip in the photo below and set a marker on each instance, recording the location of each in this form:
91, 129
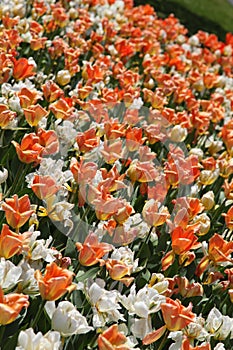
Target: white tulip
3, 175
9, 274
67, 320
28, 340
218, 325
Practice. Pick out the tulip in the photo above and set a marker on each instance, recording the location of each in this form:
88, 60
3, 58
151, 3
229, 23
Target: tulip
34, 114
30, 150
186, 346
63, 108
11, 243
55, 282
44, 186
134, 139
123, 213
3, 175
87, 140
112, 151
28, 340
183, 240
51, 91
219, 252
82, 171
91, 251
68, 321
63, 77
22, 68
11, 305
6, 115
229, 218
142, 171
49, 141
17, 210
119, 271
112, 339
153, 214
28, 97
178, 133
176, 317
208, 200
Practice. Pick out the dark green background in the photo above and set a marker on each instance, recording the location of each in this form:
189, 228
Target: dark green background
213, 16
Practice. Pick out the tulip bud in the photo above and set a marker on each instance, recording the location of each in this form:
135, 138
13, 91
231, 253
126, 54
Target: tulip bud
208, 200
197, 152
178, 134
63, 77
207, 177
204, 221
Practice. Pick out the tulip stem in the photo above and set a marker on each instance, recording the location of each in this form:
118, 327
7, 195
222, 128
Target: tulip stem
38, 314
145, 242
2, 331
161, 345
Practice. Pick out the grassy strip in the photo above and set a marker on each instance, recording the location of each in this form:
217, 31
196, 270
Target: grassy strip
213, 16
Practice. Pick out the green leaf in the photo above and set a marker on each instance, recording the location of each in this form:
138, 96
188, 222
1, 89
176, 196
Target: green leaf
83, 276
71, 250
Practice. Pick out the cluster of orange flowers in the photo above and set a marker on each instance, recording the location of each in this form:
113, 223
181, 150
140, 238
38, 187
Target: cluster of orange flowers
116, 179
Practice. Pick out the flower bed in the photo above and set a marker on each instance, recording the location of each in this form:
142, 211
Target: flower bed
116, 216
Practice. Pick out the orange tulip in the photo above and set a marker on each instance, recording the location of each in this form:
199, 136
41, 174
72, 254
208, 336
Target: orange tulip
11, 243
228, 189
119, 271
219, 249
186, 346
192, 205
28, 97
227, 135
91, 251
229, 218
6, 115
30, 150
49, 141
219, 252
184, 240
63, 108
134, 139
34, 114
87, 140
112, 179
44, 186
17, 210
142, 171
51, 91
83, 171
22, 69
55, 283
123, 212
37, 43
176, 317
112, 151
112, 339
114, 130
179, 169
184, 287
153, 214
105, 204
11, 305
